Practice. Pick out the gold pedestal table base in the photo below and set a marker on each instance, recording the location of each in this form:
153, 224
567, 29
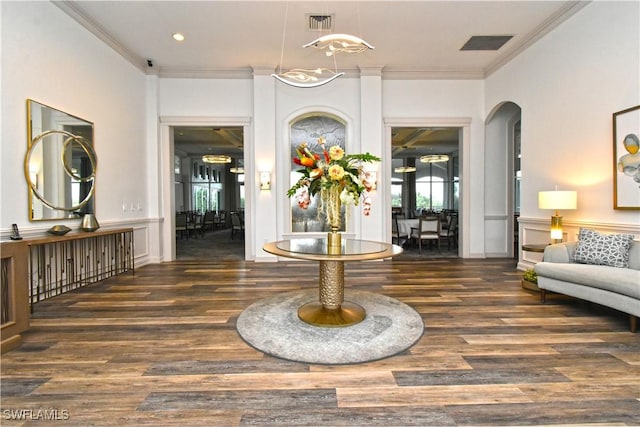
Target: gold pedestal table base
331, 310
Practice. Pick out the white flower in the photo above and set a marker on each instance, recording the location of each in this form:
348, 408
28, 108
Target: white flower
346, 197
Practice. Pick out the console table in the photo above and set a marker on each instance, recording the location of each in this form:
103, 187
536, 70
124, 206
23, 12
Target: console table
58, 264
37, 268
331, 310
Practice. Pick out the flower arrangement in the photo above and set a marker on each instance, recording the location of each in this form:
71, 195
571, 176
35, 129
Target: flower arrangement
339, 178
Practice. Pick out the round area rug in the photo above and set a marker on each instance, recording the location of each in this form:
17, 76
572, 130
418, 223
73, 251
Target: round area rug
272, 326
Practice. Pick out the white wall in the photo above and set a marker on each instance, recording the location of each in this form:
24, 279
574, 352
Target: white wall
436, 103
48, 57
416, 100
568, 85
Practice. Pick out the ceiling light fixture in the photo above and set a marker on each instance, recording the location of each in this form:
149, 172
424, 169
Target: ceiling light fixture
336, 43
238, 169
301, 77
404, 169
434, 158
216, 158
179, 37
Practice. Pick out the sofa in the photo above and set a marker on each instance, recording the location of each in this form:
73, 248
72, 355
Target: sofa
607, 273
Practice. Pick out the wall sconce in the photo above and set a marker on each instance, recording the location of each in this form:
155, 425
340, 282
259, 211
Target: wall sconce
557, 200
265, 180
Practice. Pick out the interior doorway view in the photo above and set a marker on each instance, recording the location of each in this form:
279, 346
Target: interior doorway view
503, 160
425, 185
209, 192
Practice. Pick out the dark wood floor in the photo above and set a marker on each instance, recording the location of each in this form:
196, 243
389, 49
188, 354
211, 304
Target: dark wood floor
160, 348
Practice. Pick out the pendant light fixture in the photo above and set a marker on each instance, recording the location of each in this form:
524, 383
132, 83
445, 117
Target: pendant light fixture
434, 158
336, 43
216, 158
333, 43
299, 77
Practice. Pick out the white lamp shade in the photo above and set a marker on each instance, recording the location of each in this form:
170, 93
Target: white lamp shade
558, 200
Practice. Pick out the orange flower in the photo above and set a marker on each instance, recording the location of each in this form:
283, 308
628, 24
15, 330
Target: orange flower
307, 161
316, 173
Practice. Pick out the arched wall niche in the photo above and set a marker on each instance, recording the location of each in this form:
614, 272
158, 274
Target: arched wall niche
308, 125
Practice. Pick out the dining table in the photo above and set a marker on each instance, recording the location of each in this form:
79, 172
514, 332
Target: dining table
405, 226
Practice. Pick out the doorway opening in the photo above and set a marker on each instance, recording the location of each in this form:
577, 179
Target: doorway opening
425, 183
503, 157
209, 192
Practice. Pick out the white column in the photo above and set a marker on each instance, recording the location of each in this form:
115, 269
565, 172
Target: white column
160, 248
373, 227
261, 154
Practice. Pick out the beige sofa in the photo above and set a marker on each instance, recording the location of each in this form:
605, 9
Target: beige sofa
615, 287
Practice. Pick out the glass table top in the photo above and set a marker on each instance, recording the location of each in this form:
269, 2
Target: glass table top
319, 246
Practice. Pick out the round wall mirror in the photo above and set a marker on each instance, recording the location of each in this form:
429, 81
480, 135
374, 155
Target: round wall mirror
60, 165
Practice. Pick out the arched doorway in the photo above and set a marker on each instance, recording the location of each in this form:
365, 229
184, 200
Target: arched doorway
502, 180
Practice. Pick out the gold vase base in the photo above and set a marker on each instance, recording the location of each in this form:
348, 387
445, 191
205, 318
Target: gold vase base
347, 314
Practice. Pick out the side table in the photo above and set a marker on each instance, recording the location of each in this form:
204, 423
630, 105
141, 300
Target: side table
532, 248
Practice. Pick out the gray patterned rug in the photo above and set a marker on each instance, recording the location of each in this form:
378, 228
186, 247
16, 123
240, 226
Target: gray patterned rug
272, 326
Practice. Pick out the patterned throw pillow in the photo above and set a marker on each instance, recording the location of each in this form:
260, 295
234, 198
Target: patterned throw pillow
603, 249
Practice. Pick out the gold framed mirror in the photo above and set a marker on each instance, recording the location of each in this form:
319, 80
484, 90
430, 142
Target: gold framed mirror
60, 165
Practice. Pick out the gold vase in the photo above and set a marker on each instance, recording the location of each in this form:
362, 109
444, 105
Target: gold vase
333, 210
334, 241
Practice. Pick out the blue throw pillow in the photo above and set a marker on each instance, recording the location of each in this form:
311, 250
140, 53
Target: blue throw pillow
603, 249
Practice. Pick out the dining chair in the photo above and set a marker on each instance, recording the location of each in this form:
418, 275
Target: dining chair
428, 229
237, 225
450, 233
195, 226
221, 219
181, 224
207, 222
396, 233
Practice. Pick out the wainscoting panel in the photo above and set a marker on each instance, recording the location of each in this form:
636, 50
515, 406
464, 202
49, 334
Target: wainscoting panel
536, 231
497, 239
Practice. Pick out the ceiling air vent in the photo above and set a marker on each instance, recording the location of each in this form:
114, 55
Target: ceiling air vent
486, 42
319, 22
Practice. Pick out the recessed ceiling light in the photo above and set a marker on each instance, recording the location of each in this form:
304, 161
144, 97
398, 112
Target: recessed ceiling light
178, 37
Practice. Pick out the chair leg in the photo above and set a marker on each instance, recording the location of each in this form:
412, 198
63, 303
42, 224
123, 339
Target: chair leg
633, 323
543, 296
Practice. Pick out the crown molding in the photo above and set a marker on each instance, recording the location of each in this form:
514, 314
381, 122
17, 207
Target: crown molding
77, 14
433, 74
564, 13
201, 73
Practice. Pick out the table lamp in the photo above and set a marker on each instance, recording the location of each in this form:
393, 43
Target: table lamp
557, 200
